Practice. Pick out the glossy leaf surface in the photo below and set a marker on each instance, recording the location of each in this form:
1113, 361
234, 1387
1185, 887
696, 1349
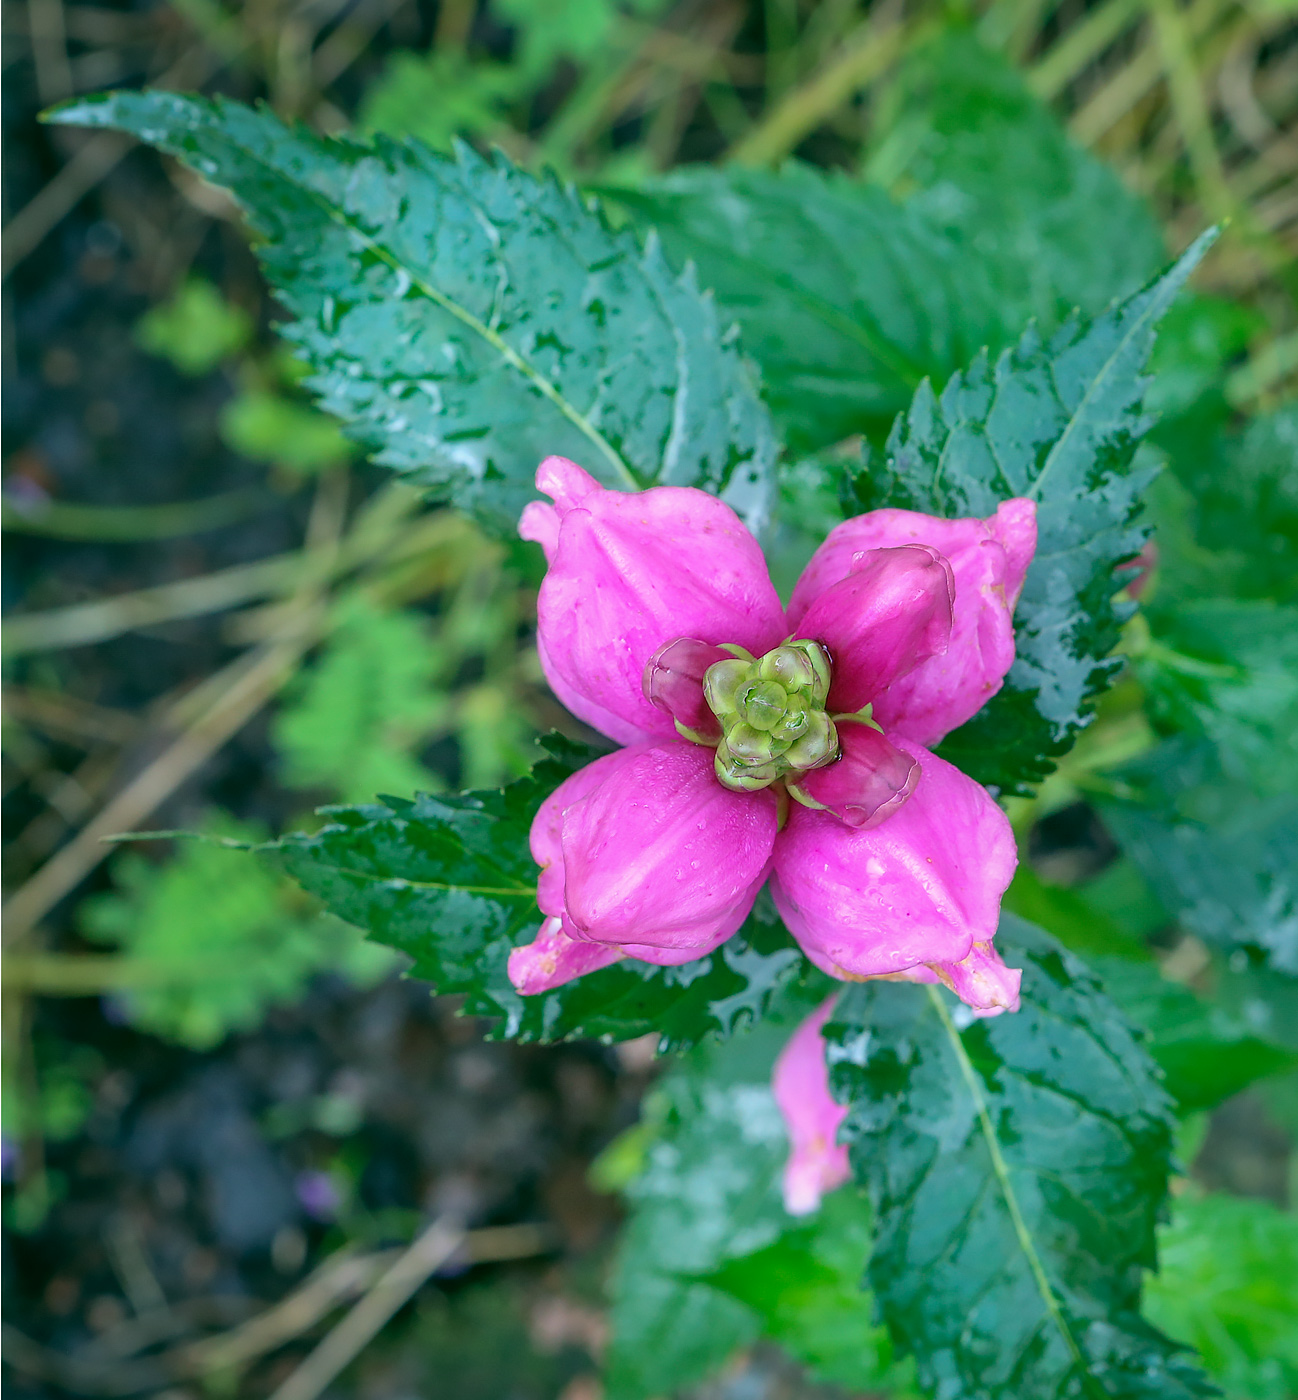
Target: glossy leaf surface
1017, 1167
450, 882
466, 319
1057, 419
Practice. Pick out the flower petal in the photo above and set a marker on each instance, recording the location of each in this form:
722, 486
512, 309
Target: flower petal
989, 559
923, 887
981, 980
655, 857
817, 1162
890, 612
630, 572
553, 958
866, 783
673, 682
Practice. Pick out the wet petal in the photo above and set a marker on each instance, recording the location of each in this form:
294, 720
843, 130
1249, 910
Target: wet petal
923, 887
989, 559
553, 959
891, 612
866, 783
653, 855
630, 572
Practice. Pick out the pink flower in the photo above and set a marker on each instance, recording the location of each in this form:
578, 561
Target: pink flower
817, 1162
763, 744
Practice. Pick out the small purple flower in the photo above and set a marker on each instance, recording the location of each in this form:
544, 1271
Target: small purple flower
317, 1195
760, 744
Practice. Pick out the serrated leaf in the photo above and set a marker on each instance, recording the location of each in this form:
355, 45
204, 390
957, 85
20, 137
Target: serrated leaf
1220, 856
1017, 1167
1227, 670
710, 1260
450, 882
1206, 1050
1058, 420
466, 319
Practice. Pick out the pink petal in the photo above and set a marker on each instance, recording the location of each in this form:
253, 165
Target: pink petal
923, 887
866, 783
554, 958
988, 559
981, 980
673, 682
653, 856
630, 572
817, 1162
890, 612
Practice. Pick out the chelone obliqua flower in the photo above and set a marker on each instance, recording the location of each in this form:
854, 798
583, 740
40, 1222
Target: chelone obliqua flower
761, 742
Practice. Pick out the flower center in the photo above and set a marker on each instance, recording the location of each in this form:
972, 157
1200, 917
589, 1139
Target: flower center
772, 714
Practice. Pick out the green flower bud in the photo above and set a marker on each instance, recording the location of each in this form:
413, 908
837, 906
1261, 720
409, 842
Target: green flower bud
772, 714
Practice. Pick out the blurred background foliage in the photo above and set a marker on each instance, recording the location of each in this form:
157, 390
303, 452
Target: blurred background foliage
224, 1115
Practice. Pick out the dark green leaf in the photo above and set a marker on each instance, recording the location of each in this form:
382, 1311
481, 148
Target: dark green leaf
1219, 855
710, 1260
1207, 1052
983, 160
466, 319
1017, 1167
450, 882
1057, 420
1228, 670
846, 300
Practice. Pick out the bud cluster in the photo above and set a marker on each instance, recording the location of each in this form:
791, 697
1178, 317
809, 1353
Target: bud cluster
772, 714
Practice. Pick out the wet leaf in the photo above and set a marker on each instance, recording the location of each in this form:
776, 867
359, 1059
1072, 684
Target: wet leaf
1017, 1167
465, 319
1057, 419
450, 882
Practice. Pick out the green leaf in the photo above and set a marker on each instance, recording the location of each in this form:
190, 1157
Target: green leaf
846, 300
1229, 1287
1220, 856
216, 940
466, 319
438, 96
450, 881
806, 1289
710, 1191
981, 159
1207, 1051
1228, 670
268, 427
352, 717
1017, 1167
1057, 420
710, 1260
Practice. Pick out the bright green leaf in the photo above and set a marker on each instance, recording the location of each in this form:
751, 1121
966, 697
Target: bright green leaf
196, 329
215, 940
1229, 1287
268, 427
